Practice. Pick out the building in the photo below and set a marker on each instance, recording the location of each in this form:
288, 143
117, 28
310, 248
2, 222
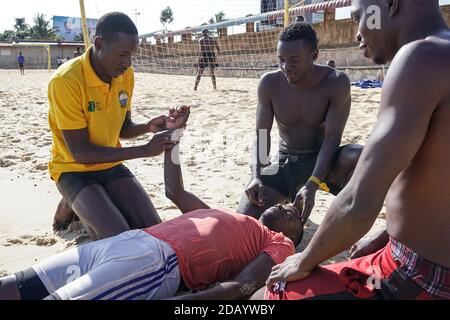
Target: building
36, 53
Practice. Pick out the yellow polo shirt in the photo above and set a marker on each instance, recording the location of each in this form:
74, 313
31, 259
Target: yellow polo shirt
78, 99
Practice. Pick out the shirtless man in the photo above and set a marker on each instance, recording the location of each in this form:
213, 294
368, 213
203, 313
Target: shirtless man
207, 58
405, 163
311, 104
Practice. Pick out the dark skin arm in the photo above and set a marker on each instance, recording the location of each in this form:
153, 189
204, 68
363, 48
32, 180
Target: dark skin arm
131, 130
174, 120
336, 118
398, 135
242, 287
369, 244
173, 179
86, 153
264, 122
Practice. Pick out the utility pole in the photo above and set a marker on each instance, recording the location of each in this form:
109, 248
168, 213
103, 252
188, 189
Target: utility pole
136, 14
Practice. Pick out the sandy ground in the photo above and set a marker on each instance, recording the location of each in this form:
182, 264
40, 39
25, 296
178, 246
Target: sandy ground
215, 155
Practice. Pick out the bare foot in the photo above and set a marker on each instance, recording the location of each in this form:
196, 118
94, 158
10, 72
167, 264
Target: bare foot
64, 216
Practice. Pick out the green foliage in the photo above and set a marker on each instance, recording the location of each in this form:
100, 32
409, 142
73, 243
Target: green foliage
166, 17
218, 17
22, 29
7, 35
41, 29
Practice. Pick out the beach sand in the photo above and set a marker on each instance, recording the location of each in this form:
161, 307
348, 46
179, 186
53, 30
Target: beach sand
215, 155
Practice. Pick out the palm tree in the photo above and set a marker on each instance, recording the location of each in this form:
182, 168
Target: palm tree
166, 17
41, 29
218, 17
22, 28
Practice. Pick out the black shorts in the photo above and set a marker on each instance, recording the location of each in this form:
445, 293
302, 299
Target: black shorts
20, 65
30, 285
207, 59
70, 184
291, 173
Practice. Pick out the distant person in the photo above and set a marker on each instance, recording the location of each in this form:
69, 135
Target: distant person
209, 48
77, 53
21, 63
331, 64
67, 59
59, 61
299, 19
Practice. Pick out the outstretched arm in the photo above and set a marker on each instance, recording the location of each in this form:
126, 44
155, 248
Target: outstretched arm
173, 179
242, 287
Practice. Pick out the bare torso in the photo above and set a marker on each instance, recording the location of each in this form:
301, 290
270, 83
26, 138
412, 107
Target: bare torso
207, 44
300, 115
418, 202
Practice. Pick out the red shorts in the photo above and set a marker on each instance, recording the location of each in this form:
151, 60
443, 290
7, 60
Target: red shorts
377, 276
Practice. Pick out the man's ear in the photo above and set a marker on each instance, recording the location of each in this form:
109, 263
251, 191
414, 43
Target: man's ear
98, 43
393, 6
315, 55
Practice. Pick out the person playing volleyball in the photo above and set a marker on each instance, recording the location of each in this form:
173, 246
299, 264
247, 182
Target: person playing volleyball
209, 48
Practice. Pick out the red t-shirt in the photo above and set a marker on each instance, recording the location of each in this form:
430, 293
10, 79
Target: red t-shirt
216, 245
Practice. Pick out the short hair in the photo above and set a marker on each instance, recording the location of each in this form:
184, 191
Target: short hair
205, 31
111, 23
271, 216
300, 31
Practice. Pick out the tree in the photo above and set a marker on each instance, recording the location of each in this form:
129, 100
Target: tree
22, 29
166, 17
7, 35
41, 29
218, 17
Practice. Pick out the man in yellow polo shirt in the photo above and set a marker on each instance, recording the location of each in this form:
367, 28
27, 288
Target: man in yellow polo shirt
90, 111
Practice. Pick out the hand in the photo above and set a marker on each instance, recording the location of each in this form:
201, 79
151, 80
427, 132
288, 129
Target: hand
306, 198
160, 142
180, 116
369, 244
176, 119
290, 270
255, 192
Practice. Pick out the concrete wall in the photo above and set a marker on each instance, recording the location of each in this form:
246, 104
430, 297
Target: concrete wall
36, 57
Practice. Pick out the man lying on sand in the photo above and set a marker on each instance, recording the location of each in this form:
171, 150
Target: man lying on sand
405, 163
311, 104
90, 111
201, 248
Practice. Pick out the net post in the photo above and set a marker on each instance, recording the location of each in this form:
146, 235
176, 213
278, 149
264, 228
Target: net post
87, 43
286, 13
49, 58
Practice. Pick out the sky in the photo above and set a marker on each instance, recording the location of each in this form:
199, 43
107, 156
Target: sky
144, 12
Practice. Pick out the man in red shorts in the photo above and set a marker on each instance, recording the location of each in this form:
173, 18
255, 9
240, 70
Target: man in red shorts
404, 164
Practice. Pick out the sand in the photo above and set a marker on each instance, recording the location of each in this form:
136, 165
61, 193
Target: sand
215, 155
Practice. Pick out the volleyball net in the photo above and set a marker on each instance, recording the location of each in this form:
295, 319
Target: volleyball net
247, 45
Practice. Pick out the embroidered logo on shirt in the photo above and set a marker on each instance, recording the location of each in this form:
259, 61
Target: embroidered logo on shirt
94, 106
91, 106
123, 98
